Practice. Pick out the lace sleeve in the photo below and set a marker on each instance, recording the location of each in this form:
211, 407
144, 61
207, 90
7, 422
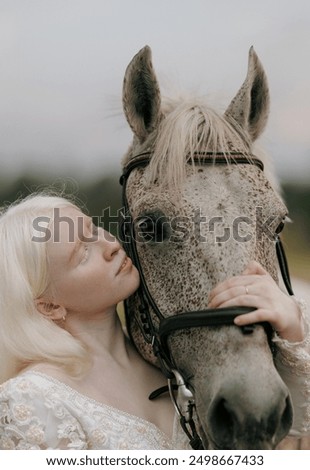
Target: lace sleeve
30, 420
293, 363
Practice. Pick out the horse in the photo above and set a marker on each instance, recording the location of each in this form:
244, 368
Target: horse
198, 206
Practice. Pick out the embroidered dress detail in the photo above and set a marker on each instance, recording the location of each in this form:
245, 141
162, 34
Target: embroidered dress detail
40, 412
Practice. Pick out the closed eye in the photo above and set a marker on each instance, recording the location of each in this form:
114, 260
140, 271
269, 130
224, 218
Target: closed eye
95, 229
85, 255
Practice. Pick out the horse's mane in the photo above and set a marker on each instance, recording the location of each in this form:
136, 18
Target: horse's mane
190, 126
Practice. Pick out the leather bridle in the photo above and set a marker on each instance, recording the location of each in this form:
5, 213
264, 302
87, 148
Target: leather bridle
157, 333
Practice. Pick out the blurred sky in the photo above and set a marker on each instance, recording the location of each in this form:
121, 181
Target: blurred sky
62, 64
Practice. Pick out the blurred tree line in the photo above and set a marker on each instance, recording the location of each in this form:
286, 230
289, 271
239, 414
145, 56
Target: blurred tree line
297, 234
101, 198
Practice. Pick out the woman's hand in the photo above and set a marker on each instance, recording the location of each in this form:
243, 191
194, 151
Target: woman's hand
256, 288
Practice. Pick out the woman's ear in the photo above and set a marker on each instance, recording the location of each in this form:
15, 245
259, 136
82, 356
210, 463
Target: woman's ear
50, 310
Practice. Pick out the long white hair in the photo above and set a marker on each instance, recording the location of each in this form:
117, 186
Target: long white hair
26, 336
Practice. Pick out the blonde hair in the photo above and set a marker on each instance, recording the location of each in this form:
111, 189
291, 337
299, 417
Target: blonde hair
26, 336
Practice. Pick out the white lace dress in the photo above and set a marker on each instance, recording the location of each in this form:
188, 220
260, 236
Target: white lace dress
39, 412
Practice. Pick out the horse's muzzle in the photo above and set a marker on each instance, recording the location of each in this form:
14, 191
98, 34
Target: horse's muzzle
239, 424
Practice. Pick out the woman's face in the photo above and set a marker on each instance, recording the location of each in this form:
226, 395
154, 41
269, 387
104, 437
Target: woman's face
89, 270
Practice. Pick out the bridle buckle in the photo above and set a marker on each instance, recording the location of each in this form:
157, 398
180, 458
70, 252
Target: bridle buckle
183, 401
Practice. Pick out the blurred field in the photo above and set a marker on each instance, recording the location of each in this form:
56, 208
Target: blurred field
296, 235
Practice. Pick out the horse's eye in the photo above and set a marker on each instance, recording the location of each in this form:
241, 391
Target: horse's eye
280, 228
152, 228
281, 225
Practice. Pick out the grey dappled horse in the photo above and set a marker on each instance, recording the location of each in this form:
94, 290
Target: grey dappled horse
188, 240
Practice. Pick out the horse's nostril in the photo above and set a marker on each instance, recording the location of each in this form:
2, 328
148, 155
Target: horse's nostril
222, 423
223, 415
287, 416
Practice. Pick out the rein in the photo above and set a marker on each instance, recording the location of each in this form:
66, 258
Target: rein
157, 333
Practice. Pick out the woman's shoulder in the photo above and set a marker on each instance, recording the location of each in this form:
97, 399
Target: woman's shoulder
31, 384
24, 386
20, 382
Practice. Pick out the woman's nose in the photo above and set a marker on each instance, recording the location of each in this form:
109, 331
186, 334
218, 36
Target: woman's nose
111, 245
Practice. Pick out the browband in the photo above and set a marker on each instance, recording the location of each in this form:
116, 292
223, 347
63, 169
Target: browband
198, 158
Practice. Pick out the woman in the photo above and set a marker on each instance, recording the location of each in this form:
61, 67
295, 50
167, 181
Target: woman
71, 379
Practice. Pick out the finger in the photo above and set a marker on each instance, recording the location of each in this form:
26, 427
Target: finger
225, 295
254, 268
257, 316
243, 301
234, 282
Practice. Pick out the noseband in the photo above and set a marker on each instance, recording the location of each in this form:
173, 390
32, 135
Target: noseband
157, 333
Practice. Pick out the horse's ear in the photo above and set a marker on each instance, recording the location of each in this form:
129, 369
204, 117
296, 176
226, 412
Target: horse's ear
141, 95
250, 107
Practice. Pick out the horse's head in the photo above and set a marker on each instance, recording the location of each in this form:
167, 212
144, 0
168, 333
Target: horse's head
196, 224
